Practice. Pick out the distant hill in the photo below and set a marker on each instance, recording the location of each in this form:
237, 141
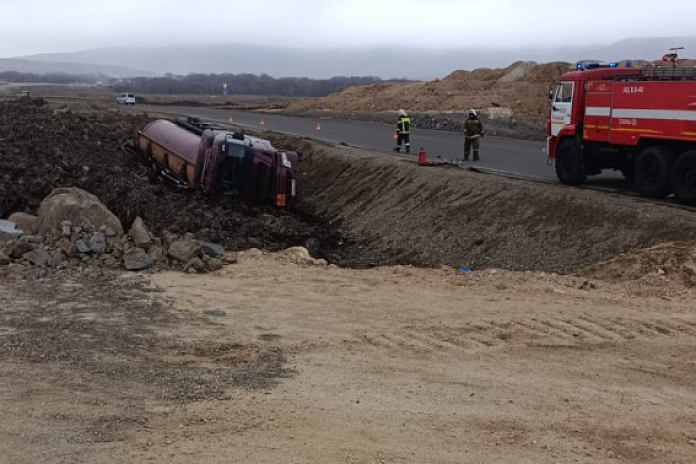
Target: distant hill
645, 49
384, 62
50, 67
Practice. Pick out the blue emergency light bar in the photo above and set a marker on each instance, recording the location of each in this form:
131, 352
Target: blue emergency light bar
580, 66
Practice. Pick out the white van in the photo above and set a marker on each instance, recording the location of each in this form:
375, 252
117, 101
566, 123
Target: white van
126, 99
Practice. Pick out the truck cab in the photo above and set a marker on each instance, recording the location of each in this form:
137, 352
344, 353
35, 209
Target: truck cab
249, 168
640, 121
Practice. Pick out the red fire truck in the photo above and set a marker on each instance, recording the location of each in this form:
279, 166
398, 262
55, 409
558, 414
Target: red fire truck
640, 121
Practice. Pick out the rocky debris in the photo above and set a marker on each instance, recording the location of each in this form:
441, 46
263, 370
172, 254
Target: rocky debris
75, 206
8, 230
66, 246
185, 250
212, 249
38, 257
26, 222
139, 234
137, 259
195, 264
97, 243
300, 255
215, 265
81, 246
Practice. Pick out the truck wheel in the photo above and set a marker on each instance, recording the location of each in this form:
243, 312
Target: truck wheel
653, 171
684, 177
569, 166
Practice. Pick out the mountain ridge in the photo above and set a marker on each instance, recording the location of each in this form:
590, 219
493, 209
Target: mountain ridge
383, 62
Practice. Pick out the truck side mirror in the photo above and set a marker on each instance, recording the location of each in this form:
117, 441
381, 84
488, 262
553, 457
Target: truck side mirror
550, 92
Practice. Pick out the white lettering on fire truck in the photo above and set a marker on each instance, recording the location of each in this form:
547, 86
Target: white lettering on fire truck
633, 89
628, 122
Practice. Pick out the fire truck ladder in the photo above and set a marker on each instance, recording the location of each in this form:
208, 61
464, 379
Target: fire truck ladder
670, 74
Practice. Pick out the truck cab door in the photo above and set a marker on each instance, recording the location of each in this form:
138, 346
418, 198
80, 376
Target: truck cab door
562, 107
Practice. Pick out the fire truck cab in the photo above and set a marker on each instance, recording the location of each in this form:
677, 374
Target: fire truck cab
640, 121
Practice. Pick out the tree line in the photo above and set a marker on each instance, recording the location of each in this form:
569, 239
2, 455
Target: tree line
242, 84
52, 78
207, 84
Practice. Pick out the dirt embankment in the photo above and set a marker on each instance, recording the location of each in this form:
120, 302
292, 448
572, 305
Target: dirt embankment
512, 100
519, 89
438, 215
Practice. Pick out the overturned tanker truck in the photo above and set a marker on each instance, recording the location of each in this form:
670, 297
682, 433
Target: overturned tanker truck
193, 154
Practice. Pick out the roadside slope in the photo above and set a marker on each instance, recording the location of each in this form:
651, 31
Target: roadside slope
437, 216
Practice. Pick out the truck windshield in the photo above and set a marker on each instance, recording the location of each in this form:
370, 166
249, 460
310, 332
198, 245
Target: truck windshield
564, 92
234, 167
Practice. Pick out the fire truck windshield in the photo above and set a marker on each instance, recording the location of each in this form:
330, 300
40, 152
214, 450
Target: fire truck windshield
564, 92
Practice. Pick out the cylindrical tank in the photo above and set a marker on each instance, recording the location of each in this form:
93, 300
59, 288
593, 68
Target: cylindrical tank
174, 139
173, 148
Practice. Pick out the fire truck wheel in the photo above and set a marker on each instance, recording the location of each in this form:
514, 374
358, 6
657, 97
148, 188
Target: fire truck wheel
684, 177
653, 171
569, 166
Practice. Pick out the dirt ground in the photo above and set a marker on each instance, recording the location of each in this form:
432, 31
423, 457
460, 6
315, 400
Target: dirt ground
279, 359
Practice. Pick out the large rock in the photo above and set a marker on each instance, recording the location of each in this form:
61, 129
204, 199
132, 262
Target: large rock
4, 259
185, 250
213, 249
82, 246
28, 223
38, 257
79, 207
137, 259
97, 244
140, 234
196, 264
9, 231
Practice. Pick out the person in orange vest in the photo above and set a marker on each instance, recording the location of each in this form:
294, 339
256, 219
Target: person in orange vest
403, 132
473, 131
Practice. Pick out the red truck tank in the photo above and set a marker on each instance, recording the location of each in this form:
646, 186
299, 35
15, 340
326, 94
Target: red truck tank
640, 121
197, 155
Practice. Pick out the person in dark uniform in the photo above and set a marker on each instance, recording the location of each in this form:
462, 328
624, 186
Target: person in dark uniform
473, 131
403, 132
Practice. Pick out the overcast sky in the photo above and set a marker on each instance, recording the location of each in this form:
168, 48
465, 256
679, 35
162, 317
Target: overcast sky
42, 26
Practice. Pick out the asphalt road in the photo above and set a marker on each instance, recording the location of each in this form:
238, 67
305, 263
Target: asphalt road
517, 157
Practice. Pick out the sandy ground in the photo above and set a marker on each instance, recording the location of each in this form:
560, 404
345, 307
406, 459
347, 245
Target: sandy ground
392, 364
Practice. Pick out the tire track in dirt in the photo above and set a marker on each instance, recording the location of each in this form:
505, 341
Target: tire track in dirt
583, 331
